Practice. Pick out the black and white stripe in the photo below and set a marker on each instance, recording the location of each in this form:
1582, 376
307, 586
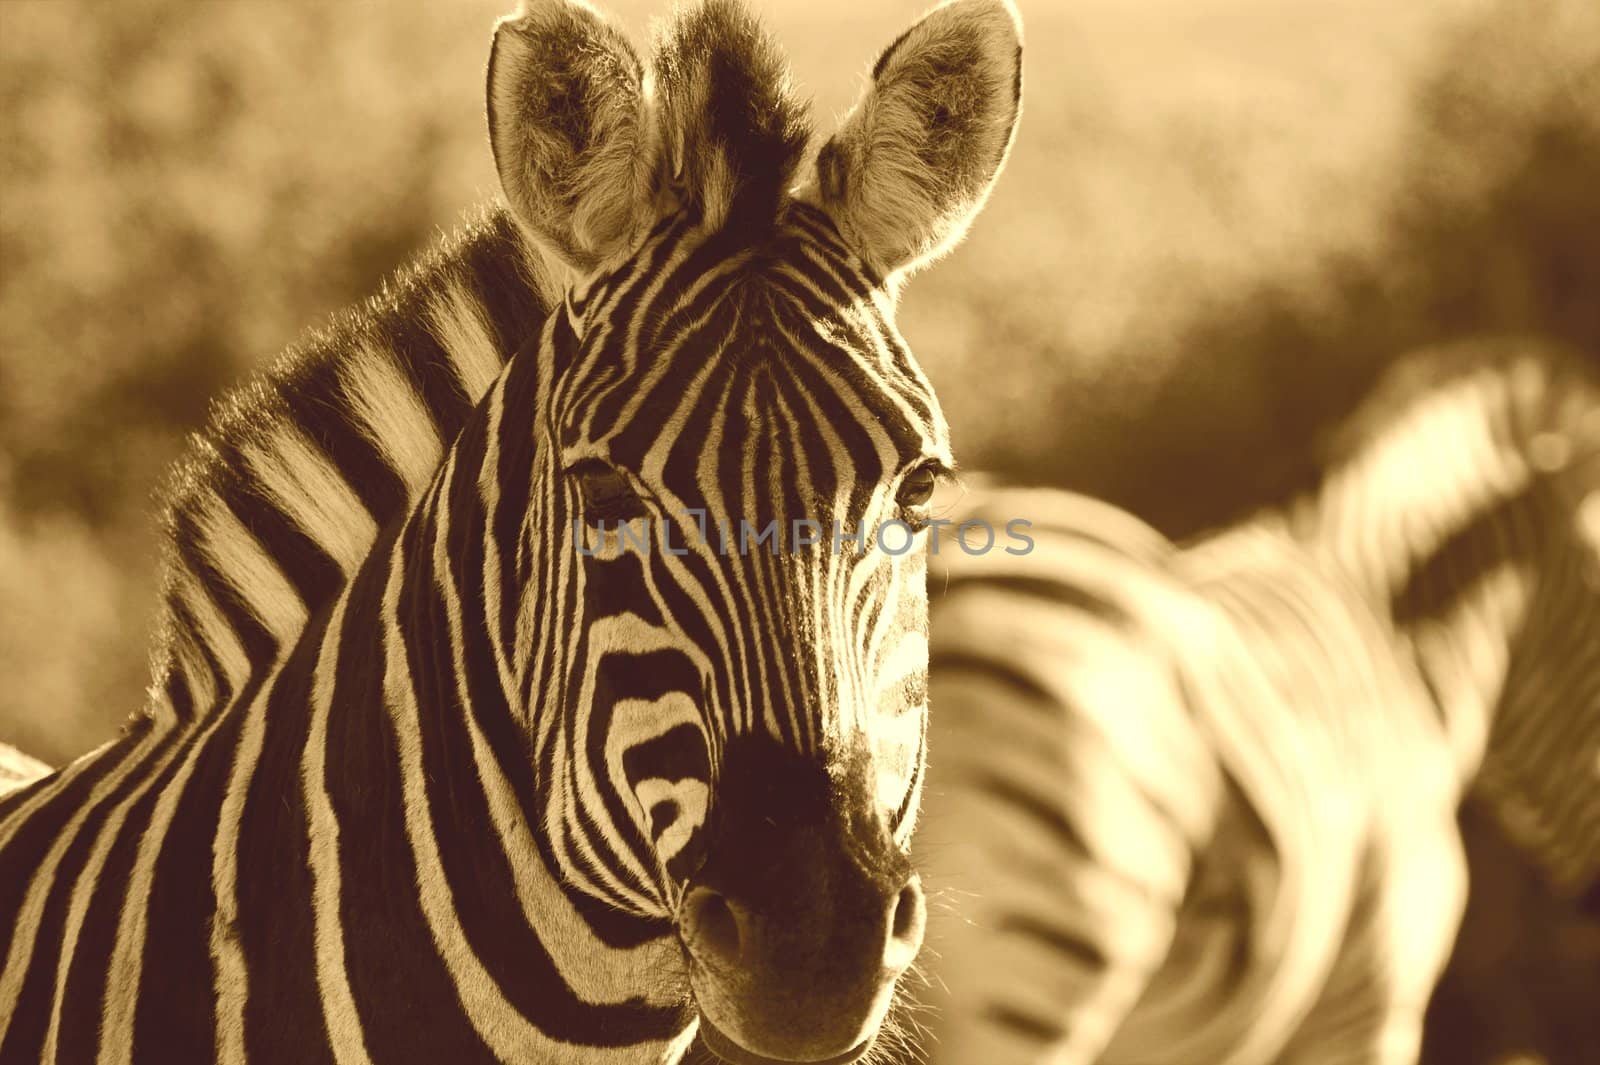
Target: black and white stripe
1198, 804
429, 774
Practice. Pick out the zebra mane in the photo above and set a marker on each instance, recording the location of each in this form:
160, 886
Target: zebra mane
1544, 365
1448, 437
284, 491
734, 132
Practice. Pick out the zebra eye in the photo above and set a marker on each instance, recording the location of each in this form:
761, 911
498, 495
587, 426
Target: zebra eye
917, 489
607, 495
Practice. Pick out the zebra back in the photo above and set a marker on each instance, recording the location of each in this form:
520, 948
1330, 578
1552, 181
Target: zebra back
1197, 803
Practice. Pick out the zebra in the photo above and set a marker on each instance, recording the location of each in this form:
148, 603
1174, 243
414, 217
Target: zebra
431, 770
18, 768
1198, 803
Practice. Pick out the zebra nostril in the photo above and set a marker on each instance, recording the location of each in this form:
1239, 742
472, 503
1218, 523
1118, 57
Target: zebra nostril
712, 927
907, 921
905, 912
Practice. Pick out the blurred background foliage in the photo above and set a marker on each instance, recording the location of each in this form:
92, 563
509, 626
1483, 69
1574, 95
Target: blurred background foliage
1222, 218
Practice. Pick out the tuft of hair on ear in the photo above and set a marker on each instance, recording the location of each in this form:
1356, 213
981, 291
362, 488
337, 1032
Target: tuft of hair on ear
733, 134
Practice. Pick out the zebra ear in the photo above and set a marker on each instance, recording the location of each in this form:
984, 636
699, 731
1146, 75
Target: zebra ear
570, 125
914, 161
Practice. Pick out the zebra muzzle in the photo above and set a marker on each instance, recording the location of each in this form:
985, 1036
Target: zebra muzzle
803, 916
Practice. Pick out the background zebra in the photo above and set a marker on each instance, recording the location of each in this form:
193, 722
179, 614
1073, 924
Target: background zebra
18, 768
428, 771
1199, 804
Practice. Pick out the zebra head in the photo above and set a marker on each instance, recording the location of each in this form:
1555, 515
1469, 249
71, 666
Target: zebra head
740, 454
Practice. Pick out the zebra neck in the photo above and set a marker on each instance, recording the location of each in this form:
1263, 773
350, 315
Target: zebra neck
1463, 637
1461, 518
1436, 522
428, 770
283, 496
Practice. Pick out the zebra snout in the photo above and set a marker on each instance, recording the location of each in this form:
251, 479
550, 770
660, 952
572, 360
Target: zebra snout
809, 981
716, 929
803, 914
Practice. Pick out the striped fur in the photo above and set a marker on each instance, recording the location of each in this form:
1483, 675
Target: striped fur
18, 769
1198, 804
428, 771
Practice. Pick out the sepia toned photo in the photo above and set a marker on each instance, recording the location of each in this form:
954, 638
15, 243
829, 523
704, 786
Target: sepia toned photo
758, 532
